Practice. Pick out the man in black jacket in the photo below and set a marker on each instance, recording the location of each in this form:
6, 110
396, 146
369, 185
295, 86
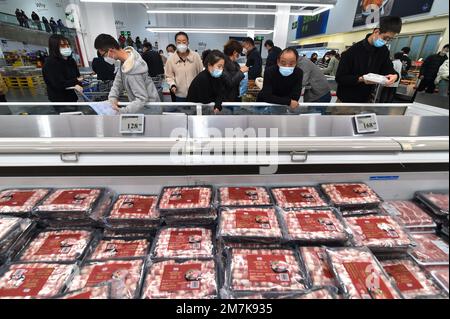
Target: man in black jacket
254, 60
153, 60
406, 60
274, 52
430, 69
368, 56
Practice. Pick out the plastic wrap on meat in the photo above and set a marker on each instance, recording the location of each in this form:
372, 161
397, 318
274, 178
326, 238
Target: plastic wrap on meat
57, 246
438, 201
359, 212
7, 225
379, 233
20, 201
123, 275
26, 281
14, 234
174, 199
183, 243
265, 270
192, 219
298, 197
351, 194
320, 226
192, 279
100, 292
244, 196
313, 294
108, 249
319, 294
430, 250
132, 210
409, 214
441, 276
316, 263
410, 279
360, 275
249, 224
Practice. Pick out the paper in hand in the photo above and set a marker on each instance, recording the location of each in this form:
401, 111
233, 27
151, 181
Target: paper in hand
103, 108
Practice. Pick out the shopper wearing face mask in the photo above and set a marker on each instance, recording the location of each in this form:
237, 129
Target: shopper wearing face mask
233, 73
61, 72
209, 86
254, 60
132, 75
182, 67
430, 69
371, 55
283, 82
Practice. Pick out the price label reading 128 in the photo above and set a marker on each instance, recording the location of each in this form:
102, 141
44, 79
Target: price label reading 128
132, 124
367, 123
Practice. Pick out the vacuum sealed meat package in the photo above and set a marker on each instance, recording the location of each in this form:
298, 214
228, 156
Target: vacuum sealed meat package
109, 249
193, 279
375, 78
244, 196
27, 281
183, 243
9, 225
430, 250
264, 270
191, 219
410, 215
98, 292
441, 276
255, 224
57, 246
360, 275
298, 197
314, 226
14, 233
437, 201
379, 233
411, 280
318, 267
20, 202
189, 199
318, 294
351, 195
123, 275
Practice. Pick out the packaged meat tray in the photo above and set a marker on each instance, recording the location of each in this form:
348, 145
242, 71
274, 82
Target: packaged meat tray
314, 226
437, 201
360, 275
191, 219
14, 234
30, 281
318, 294
183, 243
244, 196
411, 280
193, 279
318, 267
109, 249
264, 270
359, 212
410, 215
430, 250
241, 225
8, 226
441, 276
313, 294
298, 197
20, 202
98, 292
123, 275
351, 195
57, 246
379, 233
188, 199
69, 203
134, 211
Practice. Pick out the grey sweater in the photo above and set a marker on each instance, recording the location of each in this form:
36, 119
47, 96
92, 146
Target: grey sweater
332, 67
133, 77
314, 79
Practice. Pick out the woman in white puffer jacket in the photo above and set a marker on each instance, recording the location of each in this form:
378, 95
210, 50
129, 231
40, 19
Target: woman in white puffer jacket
442, 79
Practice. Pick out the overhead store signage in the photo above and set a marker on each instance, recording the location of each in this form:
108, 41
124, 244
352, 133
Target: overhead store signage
312, 25
370, 11
366, 124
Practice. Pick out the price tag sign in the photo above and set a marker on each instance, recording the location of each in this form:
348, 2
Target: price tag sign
366, 123
132, 124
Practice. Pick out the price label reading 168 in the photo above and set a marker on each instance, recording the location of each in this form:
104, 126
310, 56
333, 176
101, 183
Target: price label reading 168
365, 124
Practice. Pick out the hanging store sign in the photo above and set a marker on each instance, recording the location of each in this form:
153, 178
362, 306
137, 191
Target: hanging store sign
312, 25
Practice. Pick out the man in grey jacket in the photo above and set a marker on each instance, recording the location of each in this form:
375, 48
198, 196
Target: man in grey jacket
132, 75
317, 87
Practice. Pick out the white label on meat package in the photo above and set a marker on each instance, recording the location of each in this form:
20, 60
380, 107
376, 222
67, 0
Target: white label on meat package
441, 245
391, 210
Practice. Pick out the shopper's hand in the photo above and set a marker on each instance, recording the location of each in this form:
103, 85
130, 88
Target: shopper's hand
173, 89
294, 104
115, 106
79, 88
216, 111
80, 79
392, 78
244, 69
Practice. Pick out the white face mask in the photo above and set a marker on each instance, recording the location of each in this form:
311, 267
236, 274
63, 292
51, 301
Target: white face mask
182, 48
66, 52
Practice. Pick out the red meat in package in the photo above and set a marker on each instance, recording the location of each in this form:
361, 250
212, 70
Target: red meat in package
298, 197
26, 281
265, 270
410, 279
430, 250
360, 275
409, 214
20, 201
124, 276
183, 243
244, 196
441, 275
192, 279
316, 263
134, 209
80, 200
321, 226
185, 198
379, 233
438, 200
57, 246
251, 224
349, 194
108, 249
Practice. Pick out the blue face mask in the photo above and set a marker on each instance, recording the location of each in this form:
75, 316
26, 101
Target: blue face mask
379, 43
286, 71
216, 73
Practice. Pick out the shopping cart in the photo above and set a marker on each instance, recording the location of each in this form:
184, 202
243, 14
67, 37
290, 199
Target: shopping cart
96, 90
